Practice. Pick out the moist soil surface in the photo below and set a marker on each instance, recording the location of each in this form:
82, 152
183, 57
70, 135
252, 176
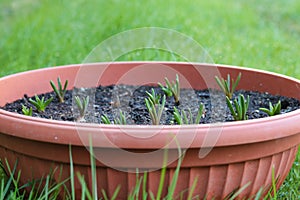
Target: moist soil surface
130, 100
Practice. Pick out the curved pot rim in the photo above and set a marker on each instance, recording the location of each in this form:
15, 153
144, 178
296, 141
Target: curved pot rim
227, 132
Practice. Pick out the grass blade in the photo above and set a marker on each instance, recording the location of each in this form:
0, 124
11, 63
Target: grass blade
162, 176
145, 194
172, 186
72, 173
192, 189
116, 192
93, 170
236, 194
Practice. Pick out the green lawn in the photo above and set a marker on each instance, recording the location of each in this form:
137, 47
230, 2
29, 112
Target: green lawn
260, 34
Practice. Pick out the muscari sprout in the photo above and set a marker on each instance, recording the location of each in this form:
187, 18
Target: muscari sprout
273, 110
155, 98
239, 107
182, 118
60, 91
40, 104
105, 119
172, 89
26, 111
82, 106
121, 120
227, 86
155, 110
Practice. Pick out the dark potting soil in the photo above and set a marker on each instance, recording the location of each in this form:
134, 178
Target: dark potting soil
130, 100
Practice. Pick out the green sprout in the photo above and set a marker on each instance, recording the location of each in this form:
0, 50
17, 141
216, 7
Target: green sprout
60, 91
105, 119
182, 118
172, 89
121, 120
153, 96
40, 104
273, 110
26, 111
241, 106
82, 106
228, 87
155, 111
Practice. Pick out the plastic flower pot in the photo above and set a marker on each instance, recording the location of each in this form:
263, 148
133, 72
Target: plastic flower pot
223, 157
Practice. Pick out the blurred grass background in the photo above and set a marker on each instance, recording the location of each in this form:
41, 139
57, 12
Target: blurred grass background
261, 34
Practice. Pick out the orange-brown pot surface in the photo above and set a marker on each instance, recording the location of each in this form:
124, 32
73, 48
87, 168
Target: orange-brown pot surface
222, 157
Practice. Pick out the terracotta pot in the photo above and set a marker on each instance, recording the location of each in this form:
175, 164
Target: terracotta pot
222, 156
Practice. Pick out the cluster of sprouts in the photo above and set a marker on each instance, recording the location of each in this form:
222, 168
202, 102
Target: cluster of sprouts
184, 118
155, 109
121, 120
172, 89
239, 106
41, 104
155, 103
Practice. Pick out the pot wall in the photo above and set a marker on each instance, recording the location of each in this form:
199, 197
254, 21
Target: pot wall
242, 153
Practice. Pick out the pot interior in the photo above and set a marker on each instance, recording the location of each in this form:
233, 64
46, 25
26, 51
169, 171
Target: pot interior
197, 76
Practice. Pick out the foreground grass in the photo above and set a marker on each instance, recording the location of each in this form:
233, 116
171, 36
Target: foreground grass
259, 34
10, 188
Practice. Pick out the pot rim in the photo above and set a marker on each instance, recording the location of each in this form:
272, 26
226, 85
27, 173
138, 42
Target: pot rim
247, 130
